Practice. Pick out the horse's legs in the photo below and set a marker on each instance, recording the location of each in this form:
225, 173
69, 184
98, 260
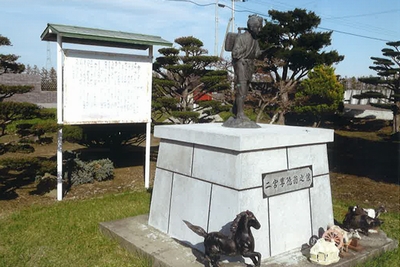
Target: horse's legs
254, 256
214, 261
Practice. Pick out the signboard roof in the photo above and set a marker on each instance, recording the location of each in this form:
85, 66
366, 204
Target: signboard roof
91, 36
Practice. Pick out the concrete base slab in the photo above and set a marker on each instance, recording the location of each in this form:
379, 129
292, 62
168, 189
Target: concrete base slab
135, 235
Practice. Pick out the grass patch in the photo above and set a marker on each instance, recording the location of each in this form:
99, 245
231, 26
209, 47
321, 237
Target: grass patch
391, 227
67, 233
370, 136
12, 127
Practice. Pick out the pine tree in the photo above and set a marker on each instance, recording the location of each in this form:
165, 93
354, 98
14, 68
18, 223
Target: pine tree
292, 49
10, 111
319, 95
388, 71
182, 76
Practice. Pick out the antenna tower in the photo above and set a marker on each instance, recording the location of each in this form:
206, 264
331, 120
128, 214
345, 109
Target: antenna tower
48, 59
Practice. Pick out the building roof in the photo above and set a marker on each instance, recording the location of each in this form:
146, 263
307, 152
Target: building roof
99, 37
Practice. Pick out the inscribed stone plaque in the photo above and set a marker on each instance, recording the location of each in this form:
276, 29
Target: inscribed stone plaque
286, 181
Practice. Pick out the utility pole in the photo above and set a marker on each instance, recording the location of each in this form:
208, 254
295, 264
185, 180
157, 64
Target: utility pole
233, 13
216, 29
231, 21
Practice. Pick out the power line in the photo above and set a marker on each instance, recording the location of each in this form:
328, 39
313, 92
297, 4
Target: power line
354, 34
197, 4
327, 29
243, 10
358, 25
365, 15
322, 28
338, 31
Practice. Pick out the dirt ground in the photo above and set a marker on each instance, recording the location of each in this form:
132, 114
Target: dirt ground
365, 192
129, 175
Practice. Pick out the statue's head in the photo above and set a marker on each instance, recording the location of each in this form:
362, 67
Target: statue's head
254, 24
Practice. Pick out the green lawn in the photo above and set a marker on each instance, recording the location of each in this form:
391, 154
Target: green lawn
67, 233
391, 227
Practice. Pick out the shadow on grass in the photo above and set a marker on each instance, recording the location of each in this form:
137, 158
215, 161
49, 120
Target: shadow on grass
377, 160
125, 156
11, 179
366, 125
361, 125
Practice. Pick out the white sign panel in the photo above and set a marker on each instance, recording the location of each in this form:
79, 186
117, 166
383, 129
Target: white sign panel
106, 88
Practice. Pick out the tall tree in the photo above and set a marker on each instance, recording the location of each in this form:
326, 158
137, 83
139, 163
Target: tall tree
8, 61
10, 111
8, 64
320, 94
183, 75
292, 49
32, 70
53, 79
388, 78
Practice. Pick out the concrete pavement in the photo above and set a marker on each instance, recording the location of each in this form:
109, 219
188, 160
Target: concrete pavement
135, 235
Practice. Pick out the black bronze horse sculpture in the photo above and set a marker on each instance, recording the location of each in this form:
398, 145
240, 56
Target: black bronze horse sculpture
240, 242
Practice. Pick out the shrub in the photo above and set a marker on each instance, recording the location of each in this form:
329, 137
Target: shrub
20, 148
81, 172
103, 169
45, 183
47, 166
3, 149
36, 128
225, 115
12, 111
32, 166
20, 164
45, 140
48, 113
186, 116
73, 134
24, 129
25, 140
15, 125
45, 126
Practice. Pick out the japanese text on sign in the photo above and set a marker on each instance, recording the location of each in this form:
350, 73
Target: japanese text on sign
106, 87
286, 181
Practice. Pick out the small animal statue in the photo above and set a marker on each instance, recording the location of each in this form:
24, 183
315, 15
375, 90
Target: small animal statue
240, 242
374, 213
357, 210
347, 236
357, 218
352, 234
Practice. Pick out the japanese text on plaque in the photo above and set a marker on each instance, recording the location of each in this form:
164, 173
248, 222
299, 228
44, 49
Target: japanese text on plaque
286, 181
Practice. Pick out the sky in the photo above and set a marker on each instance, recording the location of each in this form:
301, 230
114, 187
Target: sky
361, 28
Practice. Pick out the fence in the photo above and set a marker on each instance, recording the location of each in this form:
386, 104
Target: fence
37, 96
348, 97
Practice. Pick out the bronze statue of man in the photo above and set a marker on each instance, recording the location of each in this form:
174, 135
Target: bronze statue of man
245, 50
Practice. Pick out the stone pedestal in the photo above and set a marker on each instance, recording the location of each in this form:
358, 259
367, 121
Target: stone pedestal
206, 174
